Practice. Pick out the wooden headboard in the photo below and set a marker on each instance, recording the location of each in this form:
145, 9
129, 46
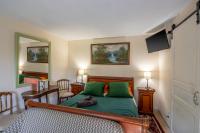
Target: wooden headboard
36, 74
108, 79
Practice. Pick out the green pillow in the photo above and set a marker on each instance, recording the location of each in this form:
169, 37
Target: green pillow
21, 79
94, 88
118, 89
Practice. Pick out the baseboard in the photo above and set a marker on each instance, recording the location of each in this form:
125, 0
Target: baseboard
161, 122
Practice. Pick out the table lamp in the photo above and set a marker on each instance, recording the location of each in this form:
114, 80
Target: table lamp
147, 76
81, 72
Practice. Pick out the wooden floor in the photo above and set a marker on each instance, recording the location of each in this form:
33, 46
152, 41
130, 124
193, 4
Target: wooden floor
162, 124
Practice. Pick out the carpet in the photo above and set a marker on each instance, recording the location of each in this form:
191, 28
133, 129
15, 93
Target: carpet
153, 127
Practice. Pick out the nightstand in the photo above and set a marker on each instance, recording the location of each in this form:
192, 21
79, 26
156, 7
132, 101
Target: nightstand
145, 100
77, 88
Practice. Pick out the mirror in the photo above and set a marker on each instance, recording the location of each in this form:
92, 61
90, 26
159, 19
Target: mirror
33, 56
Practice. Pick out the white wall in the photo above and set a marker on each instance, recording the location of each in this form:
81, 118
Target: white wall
8, 27
165, 89
140, 60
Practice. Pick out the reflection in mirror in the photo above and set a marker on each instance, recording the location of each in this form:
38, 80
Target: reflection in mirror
33, 61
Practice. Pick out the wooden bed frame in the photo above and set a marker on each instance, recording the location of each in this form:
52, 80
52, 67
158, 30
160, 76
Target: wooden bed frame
37, 74
129, 124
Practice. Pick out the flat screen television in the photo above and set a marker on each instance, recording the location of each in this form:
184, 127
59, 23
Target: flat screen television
157, 42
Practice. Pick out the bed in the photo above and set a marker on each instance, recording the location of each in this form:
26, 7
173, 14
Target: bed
115, 105
57, 118
121, 106
31, 74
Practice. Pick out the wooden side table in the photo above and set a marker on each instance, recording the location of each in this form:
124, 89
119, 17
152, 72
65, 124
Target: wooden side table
145, 100
38, 94
77, 88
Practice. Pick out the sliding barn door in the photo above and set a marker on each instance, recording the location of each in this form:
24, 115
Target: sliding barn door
197, 96
186, 83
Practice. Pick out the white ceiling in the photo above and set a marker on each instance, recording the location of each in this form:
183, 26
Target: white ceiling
80, 19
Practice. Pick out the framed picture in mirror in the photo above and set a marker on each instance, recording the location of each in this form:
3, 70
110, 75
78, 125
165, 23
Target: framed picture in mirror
37, 54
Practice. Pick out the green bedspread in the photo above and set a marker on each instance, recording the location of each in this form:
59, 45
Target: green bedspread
120, 106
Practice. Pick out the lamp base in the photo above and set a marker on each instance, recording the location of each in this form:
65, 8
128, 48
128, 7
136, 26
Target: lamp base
147, 87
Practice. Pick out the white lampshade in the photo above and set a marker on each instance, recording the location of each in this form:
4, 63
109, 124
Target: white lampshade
81, 72
20, 71
147, 75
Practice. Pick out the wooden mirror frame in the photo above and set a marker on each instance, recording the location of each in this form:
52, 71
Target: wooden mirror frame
17, 36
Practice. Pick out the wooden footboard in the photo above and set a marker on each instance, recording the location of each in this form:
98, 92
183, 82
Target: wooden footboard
129, 124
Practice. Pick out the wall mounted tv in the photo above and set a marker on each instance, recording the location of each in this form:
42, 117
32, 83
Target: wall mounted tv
157, 42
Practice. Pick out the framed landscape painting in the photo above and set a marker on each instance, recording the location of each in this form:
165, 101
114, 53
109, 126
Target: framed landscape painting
111, 53
38, 54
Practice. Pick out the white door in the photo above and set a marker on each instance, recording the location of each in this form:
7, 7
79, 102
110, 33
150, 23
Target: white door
185, 78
